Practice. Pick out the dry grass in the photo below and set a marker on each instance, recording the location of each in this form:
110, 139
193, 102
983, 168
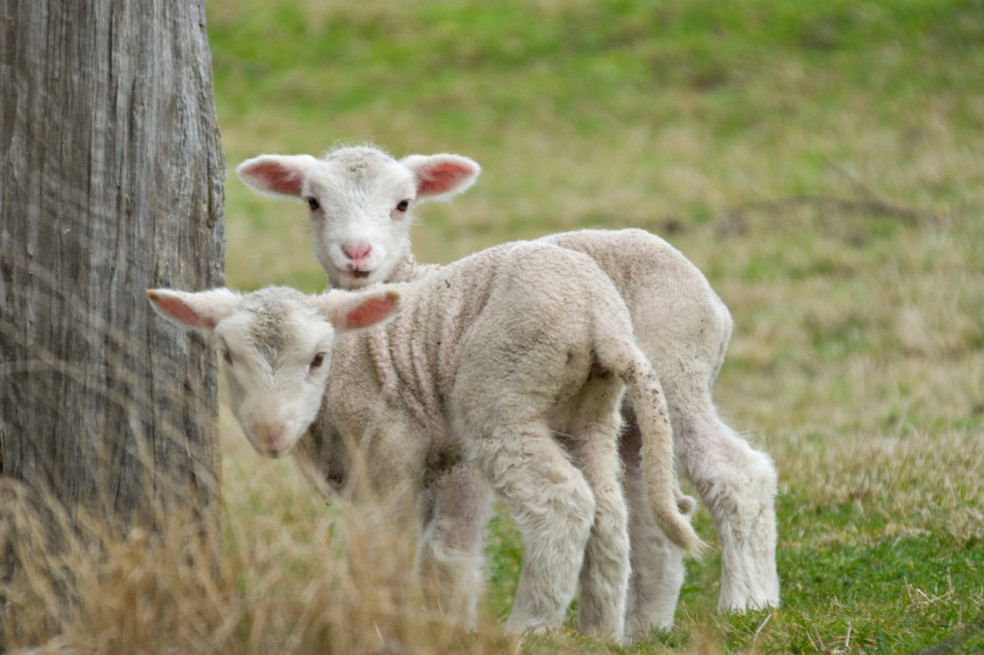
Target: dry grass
295, 577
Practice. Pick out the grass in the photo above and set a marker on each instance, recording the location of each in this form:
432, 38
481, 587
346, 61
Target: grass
821, 162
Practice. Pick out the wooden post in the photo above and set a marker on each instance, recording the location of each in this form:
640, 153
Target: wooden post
111, 182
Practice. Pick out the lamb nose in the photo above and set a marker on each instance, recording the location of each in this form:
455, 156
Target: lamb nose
270, 435
357, 251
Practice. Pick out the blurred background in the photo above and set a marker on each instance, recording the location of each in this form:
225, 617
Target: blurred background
822, 163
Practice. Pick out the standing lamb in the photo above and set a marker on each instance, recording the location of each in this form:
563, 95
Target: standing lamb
361, 202
514, 359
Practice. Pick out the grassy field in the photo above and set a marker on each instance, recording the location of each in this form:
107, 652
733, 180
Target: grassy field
822, 163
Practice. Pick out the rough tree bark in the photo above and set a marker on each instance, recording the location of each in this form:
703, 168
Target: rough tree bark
111, 177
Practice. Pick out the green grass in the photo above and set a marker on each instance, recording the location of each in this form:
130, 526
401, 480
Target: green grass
758, 136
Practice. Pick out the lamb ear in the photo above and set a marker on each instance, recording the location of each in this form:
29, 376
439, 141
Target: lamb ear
440, 177
355, 310
279, 175
200, 311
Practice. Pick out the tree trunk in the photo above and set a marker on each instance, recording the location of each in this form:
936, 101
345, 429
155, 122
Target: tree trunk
111, 176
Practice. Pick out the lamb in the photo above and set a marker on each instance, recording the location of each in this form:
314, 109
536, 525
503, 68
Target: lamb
514, 359
362, 201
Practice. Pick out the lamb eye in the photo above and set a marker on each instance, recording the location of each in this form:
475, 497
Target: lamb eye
318, 361
227, 357
313, 204
403, 206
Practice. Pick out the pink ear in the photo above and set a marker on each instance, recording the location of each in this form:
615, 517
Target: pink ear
355, 310
370, 312
280, 174
200, 311
178, 310
442, 175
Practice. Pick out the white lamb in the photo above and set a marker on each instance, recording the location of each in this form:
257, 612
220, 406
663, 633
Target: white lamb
514, 359
361, 202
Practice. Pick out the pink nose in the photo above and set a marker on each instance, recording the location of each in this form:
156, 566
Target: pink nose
356, 251
268, 436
